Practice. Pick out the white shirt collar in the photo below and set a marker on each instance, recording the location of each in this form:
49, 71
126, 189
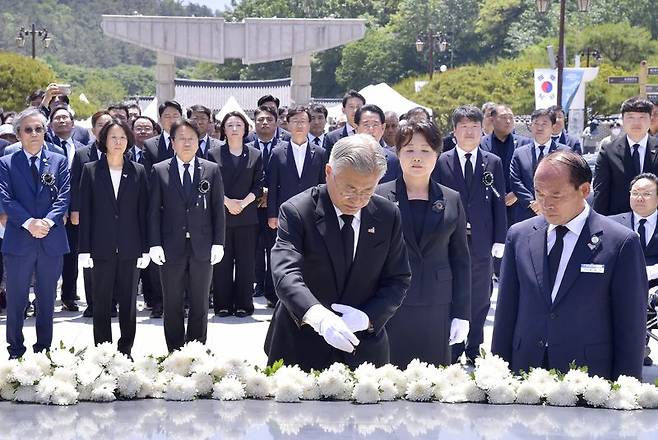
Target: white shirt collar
181, 163
167, 137
547, 144
38, 155
462, 153
643, 142
651, 219
311, 137
299, 146
577, 223
357, 216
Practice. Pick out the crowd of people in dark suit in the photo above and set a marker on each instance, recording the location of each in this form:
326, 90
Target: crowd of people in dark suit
375, 242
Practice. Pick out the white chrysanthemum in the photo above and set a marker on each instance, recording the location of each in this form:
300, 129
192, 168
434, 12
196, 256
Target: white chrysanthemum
395, 375
257, 385
630, 384
178, 363
388, 390
229, 388
101, 354
287, 391
84, 392
543, 380
65, 394
7, 392
44, 389
487, 379
63, 374
366, 390
235, 367
366, 370
454, 374
562, 394
147, 366
648, 396
419, 390
205, 365
180, 388
103, 388
26, 373
596, 392
310, 388
63, 358
451, 393
119, 365
340, 368
6, 368
416, 370
40, 359
503, 393
622, 398
160, 384
493, 363
577, 380
332, 383
88, 372
25, 394
440, 387
528, 394
194, 350
203, 383
147, 386
129, 384
473, 393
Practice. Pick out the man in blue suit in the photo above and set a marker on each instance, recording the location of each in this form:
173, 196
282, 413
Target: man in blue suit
370, 119
478, 178
559, 134
34, 190
352, 101
525, 160
573, 284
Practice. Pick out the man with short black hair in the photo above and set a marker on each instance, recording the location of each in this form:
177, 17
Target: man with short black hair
391, 130
352, 101
316, 132
370, 119
272, 103
560, 135
620, 161
159, 147
134, 112
203, 117
119, 111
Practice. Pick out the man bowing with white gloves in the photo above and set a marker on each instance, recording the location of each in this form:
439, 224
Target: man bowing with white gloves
186, 233
339, 248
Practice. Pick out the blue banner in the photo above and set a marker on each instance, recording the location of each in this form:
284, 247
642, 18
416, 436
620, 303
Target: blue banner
570, 83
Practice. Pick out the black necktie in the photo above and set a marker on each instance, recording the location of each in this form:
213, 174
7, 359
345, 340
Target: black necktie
468, 171
316, 141
555, 254
636, 159
265, 150
35, 170
541, 152
200, 151
643, 234
63, 144
347, 234
138, 156
187, 181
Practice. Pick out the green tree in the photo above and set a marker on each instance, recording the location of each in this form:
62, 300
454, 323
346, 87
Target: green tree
20, 76
621, 44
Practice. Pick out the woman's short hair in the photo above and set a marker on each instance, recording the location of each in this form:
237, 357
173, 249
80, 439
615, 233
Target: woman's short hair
115, 122
222, 125
426, 129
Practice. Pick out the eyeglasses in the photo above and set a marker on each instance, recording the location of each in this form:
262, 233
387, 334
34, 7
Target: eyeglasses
351, 193
644, 195
298, 122
31, 130
143, 129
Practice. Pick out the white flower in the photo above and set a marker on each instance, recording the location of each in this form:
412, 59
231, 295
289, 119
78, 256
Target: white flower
366, 370
7, 392
40, 359
416, 370
88, 372
287, 391
235, 367
396, 376
65, 394
147, 366
339, 368
63, 358
119, 365
629, 384
493, 363
528, 394
257, 385
419, 390
289, 373
577, 380
25, 394
543, 380
455, 374
84, 392
103, 388
388, 390
473, 393
203, 366
129, 384
194, 350
648, 396
502, 393
332, 383
26, 373
44, 389
101, 354
63, 374
596, 392
203, 383
180, 388
562, 394
622, 398
229, 388
366, 390
178, 363
310, 388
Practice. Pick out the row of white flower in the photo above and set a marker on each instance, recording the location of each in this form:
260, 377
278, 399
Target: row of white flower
64, 377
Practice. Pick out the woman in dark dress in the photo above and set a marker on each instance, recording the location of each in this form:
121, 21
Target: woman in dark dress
112, 242
435, 311
242, 174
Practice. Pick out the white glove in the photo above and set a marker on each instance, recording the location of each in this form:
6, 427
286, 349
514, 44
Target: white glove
458, 331
331, 327
143, 261
216, 253
85, 261
157, 255
497, 250
353, 318
652, 272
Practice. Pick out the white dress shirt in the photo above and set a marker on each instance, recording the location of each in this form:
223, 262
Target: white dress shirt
461, 154
299, 153
261, 145
356, 226
203, 144
70, 150
575, 227
649, 226
167, 139
642, 150
311, 139
547, 147
137, 153
181, 168
115, 176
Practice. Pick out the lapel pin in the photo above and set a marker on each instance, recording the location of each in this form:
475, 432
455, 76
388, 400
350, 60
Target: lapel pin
371, 230
438, 206
125, 175
594, 242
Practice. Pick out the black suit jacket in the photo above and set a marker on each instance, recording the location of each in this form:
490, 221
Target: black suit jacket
113, 226
613, 174
308, 269
440, 262
156, 151
334, 136
239, 181
280, 135
212, 143
651, 251
90, 153
283, 181
485, 210
171, 215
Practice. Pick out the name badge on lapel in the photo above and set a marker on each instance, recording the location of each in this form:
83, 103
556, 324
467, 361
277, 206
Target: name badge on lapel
592, 268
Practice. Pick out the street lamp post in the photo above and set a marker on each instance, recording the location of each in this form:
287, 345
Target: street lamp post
33, 32
432, 38
594, 53
542, 7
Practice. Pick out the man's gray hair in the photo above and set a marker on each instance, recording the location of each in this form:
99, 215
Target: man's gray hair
361, 152
28, 112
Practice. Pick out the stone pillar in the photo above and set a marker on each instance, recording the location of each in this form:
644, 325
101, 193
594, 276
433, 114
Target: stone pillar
300, 74
165, 71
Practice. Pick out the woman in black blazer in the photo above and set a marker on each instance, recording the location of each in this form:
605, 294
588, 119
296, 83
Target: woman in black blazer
113, 204
436, 309
242, 174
